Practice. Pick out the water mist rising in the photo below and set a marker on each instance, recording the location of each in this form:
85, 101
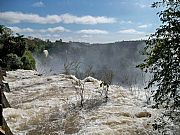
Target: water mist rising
121, 58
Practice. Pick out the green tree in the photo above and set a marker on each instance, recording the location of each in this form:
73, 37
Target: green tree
163, 58
12, 48
28, 61
13, 61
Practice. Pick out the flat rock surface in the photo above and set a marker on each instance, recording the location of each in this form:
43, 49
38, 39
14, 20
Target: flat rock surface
50, 105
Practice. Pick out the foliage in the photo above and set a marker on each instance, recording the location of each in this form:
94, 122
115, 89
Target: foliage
10, 43
28, 61
163, 61
12, 48
36, 45
13, 61
163, 51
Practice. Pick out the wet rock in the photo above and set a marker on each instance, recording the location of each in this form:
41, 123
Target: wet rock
71, 125
143, 114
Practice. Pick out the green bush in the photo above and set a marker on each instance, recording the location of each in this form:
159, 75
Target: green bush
13, 54
12, 61
28, 61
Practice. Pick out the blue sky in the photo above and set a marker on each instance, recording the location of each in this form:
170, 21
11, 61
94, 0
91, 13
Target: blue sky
94, 21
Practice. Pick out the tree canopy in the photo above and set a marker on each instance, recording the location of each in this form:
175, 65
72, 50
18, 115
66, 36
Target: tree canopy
163, 58
13, 51
163, 51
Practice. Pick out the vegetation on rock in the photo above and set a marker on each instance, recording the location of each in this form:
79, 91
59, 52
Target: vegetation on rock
163, 61
13, 52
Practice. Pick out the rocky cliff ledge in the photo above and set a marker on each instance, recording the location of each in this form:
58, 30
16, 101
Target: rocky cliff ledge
49, 105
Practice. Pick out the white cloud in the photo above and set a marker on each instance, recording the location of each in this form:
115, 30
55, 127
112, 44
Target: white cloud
58, 29
38, 4
142, 5
18, 17
68, 18
143, 26
86, 36
55, 30
130, 31
98, 38
92, 31
21, 30
122, 22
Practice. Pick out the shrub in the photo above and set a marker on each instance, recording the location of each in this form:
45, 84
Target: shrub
12, 61
28, 61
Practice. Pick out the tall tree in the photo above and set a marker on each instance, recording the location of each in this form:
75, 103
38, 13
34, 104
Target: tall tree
163, 57
13, 52
163, 51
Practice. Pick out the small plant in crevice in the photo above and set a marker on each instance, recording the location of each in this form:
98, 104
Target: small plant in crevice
80, 91
89, 101
105, 87
106, 82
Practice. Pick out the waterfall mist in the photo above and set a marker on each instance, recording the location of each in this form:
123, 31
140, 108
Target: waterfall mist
120, 58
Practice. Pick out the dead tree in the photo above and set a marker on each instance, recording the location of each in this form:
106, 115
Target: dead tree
80, 92
89, 71
106, 82
105, 87
71, 66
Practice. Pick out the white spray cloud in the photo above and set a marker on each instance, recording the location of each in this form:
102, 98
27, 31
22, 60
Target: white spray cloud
46, 53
